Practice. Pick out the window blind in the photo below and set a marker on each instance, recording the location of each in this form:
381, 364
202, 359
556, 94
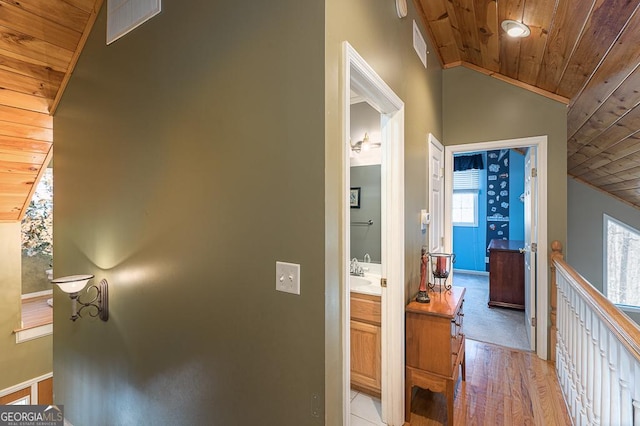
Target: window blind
466, 180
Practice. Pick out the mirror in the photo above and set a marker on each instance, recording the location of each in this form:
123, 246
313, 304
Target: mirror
365, 183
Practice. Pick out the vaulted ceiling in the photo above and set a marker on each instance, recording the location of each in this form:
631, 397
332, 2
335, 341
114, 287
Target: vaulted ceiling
40, 41
582, 52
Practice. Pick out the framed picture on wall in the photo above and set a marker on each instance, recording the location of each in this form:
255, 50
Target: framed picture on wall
354, 198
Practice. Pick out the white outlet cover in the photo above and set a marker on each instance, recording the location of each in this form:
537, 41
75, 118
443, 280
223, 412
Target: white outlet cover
288, 277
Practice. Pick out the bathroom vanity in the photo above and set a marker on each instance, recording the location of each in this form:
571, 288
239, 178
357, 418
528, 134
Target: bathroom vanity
366, 343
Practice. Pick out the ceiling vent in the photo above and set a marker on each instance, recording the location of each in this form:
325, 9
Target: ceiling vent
125, 15
419, 44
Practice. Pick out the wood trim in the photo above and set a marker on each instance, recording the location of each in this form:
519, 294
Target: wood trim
45, 391
12, 397
511, 81
76, 55
35, 183
602, 191
625, 329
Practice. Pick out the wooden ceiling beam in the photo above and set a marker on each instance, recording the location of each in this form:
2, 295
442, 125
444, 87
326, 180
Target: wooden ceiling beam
512, 81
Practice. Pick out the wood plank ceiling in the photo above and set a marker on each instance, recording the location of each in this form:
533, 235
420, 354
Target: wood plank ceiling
582, 52
40, 42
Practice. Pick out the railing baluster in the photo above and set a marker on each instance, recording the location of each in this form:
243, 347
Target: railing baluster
626, 407
604, 368
597, 371
596, 350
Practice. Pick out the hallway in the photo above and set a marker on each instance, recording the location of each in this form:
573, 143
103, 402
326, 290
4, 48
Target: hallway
503, 387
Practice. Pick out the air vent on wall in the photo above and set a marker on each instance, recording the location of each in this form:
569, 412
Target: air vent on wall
419, 44
125, 15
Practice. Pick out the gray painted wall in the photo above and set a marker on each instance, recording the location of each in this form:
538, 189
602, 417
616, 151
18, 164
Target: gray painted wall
585, 239
189, 158
366, 238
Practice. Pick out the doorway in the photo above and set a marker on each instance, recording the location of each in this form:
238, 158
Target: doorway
538, 287
361, 80
488, 213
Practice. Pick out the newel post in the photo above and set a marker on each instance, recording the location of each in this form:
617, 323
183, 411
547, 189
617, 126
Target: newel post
556, 254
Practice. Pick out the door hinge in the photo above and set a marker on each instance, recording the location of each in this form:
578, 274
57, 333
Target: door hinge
533, 321
441, 172
534, 247
383, 282
534, 172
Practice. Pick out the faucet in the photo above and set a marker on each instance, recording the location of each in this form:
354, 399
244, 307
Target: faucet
355, 268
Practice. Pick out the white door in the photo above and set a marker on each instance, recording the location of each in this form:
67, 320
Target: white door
436, 193
530, 248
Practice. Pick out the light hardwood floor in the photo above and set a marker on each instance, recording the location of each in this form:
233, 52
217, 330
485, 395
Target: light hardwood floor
504, 387
36, 312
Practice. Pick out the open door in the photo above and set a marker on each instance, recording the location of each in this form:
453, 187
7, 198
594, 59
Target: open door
530, 248
436, 195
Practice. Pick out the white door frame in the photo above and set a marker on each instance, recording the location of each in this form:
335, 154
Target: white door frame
540, 143
436, 221
366, 82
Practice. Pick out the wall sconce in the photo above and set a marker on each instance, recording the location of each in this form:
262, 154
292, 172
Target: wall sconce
515, 28
73, 284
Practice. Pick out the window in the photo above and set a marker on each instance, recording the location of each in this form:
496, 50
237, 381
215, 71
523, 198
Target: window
622, 263
466, 185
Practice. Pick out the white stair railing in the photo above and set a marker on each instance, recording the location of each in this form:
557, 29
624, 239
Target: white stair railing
597, 351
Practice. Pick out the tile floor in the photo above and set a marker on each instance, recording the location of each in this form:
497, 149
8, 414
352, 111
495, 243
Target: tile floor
365, 410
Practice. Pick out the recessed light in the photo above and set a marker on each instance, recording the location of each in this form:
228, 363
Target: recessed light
515, 28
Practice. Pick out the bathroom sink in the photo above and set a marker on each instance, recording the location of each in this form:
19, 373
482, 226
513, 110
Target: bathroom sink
365, 285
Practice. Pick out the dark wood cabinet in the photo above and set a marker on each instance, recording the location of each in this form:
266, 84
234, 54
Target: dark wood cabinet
506, 274
435, 346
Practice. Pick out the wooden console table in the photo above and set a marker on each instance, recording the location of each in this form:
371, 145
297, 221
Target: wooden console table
506, 274
435, 346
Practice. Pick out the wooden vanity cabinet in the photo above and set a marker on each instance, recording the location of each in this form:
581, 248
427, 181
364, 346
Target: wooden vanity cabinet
506, 274
366, 343
435, 346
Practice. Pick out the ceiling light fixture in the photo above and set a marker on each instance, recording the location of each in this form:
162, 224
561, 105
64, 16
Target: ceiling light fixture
74, 284
364, 145
515, 28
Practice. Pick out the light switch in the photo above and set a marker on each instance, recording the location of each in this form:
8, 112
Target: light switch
288, 277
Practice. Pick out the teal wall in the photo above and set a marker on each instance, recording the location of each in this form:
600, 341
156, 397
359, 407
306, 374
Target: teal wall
470, 243
189, 158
